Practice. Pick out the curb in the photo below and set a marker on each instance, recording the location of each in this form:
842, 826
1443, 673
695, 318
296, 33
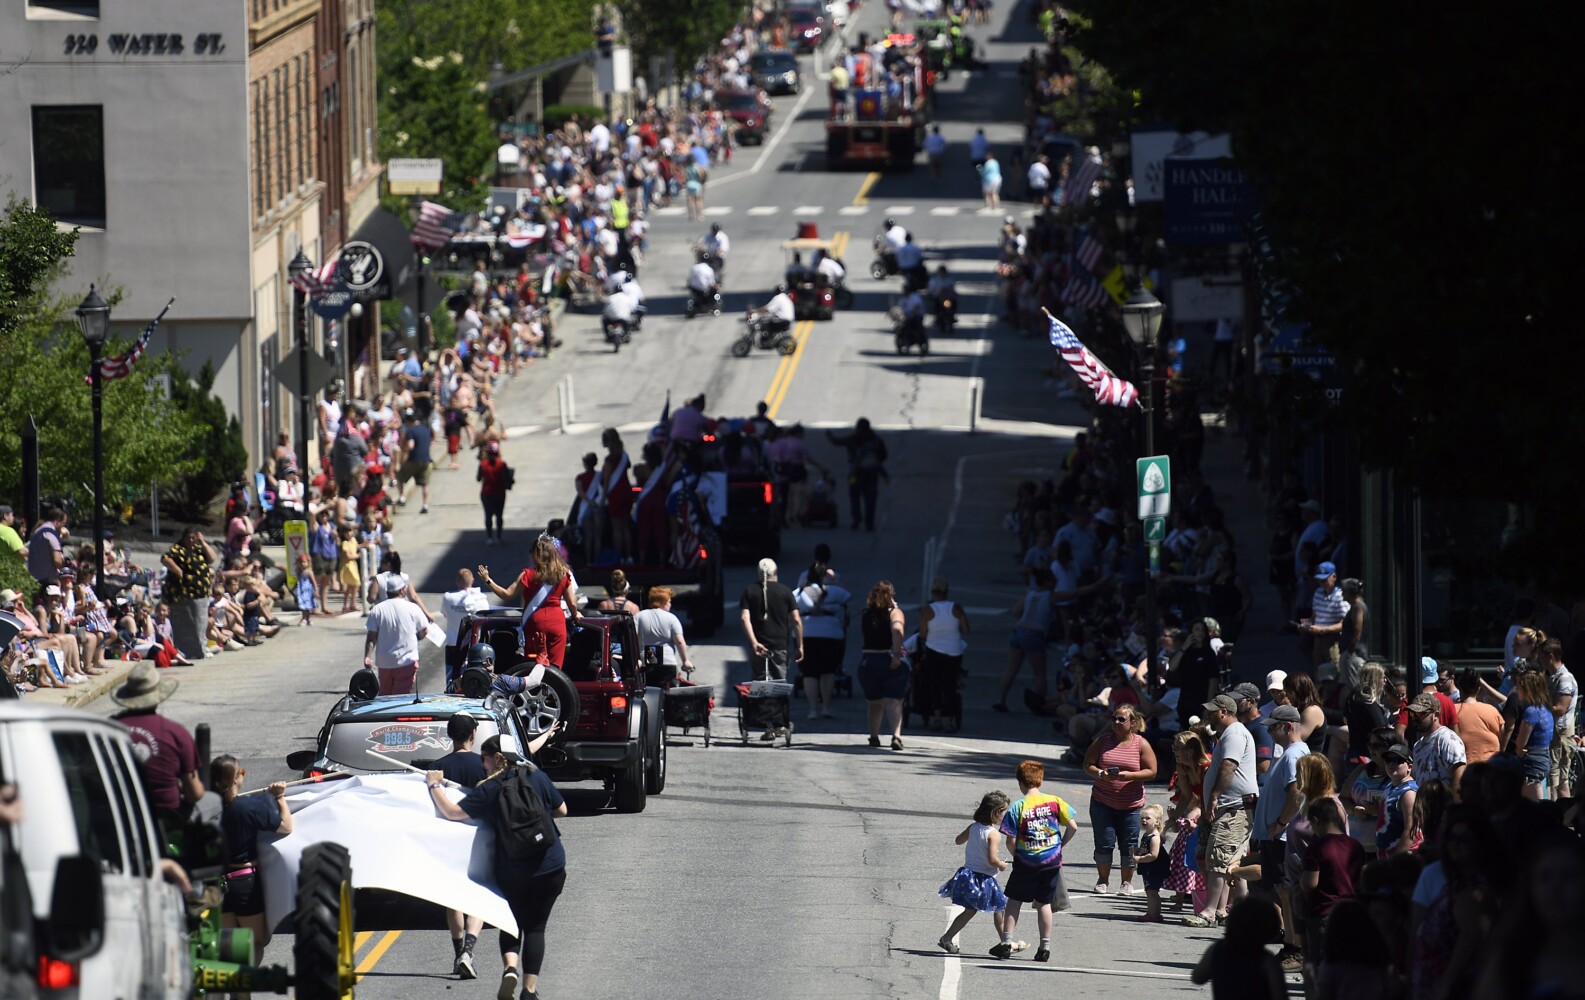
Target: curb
99, 686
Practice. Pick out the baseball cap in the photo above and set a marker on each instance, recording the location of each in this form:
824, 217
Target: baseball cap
1397, 752
9, 596
401, 352
52, 591
395, 584
1425, 701
1325, 570
506, 746
1221, 703
1276, 679
1428, 670
1281, 714
5, 509
1243, 692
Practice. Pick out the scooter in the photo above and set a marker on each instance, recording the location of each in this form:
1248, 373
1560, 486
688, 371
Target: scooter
908, 332
701, 302
885, 263
757, 332
812, 300
617, 331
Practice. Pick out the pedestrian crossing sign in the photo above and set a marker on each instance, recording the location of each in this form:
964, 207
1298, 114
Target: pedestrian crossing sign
1155, 486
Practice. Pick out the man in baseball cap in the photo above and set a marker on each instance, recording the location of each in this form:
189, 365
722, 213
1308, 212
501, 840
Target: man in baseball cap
1247, 696
1280, 801
1439, 753
1327, 609
1224, 823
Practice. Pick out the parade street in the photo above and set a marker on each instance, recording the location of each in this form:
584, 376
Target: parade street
766, 871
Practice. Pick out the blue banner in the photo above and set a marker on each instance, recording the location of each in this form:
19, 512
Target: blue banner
1205, 201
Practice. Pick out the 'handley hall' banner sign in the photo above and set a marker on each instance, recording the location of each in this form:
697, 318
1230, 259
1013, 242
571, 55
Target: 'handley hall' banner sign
1205, 201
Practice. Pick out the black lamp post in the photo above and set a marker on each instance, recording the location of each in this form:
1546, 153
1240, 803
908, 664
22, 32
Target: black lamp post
93, 317
420, 263
301, 265
1142, 317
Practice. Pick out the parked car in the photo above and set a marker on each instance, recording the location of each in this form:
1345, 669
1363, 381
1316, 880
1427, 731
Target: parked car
807, 28
749, 110
612, 716
775, 71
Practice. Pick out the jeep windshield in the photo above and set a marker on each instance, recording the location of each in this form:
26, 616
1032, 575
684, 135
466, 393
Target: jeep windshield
399, 739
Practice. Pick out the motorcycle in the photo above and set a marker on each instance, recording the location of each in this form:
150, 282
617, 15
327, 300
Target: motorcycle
701, 302
885, 263
717, 261
757, 331
617, 331
908, 332
812, 300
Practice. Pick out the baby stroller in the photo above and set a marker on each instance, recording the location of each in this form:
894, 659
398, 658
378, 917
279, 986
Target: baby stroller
822, 506
765, 704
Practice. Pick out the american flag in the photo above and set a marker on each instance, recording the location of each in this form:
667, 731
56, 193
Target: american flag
688, 552
1084, 291
1080, 180
315, 282
1108, 388
121, 365
437, 224
1089, 252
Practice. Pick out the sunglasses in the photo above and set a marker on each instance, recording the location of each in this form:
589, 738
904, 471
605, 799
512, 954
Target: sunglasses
1121, 718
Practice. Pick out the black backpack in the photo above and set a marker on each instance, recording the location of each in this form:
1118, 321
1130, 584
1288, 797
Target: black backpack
523, 826
508, 477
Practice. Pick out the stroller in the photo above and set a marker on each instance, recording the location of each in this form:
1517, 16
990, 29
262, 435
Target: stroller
765, 704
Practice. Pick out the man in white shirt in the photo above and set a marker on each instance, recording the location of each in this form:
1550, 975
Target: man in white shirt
829, 268
780, 310
701, 278
619, 308
390, 645
457, 605
1224, 822
717, 243
1039, 177
600, 138
896, 235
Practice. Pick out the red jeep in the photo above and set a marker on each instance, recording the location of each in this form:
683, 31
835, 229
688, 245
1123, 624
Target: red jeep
613, 729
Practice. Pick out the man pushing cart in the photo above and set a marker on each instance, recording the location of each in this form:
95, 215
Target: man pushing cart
774, 631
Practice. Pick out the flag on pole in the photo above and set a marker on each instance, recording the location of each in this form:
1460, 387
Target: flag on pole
121, 365
1080, 180
1108, 388
315, 282
1084, 291
1089, 252
436, 225
661, 432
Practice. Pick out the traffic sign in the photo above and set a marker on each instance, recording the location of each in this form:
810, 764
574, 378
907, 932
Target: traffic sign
1155, 529
412, 176
296, 535
1155, 486
289, 371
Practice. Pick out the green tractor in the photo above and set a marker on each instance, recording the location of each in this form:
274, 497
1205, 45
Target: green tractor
322, 921
945, 46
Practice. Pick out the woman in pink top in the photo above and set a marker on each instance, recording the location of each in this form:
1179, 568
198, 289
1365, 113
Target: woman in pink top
1121, 761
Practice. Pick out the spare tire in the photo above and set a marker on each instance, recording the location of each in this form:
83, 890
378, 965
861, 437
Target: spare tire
323, 924
554, 700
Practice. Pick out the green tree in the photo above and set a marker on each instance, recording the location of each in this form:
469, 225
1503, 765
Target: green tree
1410, 194
146, 436
683, 29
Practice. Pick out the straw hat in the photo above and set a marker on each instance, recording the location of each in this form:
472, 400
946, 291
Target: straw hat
144, 688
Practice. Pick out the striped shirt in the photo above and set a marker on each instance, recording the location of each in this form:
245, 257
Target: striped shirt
1327, 607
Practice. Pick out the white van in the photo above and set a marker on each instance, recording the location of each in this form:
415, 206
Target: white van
115, 928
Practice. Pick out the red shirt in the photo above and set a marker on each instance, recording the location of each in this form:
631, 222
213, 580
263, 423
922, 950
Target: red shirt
492, 477
1338, 858
165, 752
1447, 714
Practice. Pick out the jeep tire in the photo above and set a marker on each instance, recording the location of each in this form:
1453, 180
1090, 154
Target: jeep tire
323, 923
655, 771
558, 698
631, 790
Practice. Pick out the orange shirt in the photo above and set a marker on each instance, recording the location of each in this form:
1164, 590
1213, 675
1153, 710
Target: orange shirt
1480, 727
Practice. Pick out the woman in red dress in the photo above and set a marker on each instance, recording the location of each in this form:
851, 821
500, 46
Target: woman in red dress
547, 587
616, 492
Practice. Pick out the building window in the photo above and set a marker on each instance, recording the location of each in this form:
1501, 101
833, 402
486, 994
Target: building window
283, 156
69, 162
260, 197
354, 133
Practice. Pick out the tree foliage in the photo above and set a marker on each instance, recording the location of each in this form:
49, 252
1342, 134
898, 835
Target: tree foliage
434, 61
146, 436
1408, 188
685, 29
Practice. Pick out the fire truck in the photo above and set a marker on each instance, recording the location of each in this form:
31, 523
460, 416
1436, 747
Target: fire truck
875, 126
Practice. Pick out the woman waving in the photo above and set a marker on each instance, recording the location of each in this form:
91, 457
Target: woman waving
544, 589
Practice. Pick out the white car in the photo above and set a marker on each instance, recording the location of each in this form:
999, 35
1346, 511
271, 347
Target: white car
85, 860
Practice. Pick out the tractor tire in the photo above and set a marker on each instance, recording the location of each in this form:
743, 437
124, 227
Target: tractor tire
323, 924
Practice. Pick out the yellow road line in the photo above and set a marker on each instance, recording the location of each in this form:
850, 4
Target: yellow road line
376, 953
361, 940
790, 362
863, 197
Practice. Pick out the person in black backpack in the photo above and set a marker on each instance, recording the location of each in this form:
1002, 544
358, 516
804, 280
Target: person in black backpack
520, 803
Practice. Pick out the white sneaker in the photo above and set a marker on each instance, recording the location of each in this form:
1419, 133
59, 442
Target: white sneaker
1127, 889
1100, 888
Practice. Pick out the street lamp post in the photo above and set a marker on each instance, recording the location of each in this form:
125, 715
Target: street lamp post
1142, 317
300, 265
93, 317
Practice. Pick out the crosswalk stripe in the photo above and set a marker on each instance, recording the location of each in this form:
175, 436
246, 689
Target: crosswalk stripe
670, 210
900, 210
808, 210
853, 210
764, 210
945, 210
718, 210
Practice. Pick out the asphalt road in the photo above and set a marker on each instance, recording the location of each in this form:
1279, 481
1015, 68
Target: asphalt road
772, 872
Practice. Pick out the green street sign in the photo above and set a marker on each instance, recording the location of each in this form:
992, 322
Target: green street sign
1155, 486
1155, 529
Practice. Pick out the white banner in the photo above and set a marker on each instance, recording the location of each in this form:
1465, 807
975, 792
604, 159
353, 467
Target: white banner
397, 840
1149, 149
1212, 297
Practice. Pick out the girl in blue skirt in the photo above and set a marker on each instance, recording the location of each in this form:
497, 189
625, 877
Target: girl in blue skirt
974, 886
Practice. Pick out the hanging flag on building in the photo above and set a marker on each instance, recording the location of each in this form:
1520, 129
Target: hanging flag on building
1090, 252
316, 281
1108, 388
121, 365
1081, 179
436, 225
1084, 291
